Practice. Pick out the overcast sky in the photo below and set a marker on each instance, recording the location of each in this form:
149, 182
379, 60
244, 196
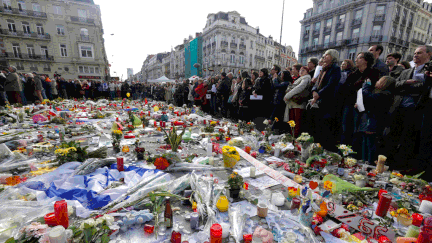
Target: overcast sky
143, 27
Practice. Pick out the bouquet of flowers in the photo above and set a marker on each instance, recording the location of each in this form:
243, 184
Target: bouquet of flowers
116, 138
35, 232
305, 138
345, 149
235, 181
230, 156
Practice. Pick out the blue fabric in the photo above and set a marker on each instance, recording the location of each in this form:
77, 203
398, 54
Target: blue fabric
88, 198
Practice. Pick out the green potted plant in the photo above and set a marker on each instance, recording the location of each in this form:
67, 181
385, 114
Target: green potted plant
235, 182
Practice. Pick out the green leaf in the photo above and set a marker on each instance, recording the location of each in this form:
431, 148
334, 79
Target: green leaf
10, 240
87, 234
418, 175
105, 238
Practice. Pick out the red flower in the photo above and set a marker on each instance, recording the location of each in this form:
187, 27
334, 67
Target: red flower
161, 163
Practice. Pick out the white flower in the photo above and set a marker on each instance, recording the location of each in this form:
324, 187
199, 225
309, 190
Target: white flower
266, 122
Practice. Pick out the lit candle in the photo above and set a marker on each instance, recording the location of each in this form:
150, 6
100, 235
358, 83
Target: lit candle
252, 172
120, 164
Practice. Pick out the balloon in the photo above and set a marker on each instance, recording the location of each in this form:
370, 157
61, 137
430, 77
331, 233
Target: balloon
156, 108
128, 95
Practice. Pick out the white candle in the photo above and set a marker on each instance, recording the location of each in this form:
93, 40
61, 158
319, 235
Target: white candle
57, 234
209, 149
252, 172
211, 161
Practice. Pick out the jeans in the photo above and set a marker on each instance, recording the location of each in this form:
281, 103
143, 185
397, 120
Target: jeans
213, 108
369, 148
44, 94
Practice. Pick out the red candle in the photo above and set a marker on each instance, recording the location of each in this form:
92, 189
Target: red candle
383, 205
49, 118
248, 149
381, 191
149, 113
417, 219
61, 213
117, 119
247, 238
148, 229
50, 219
155, 124
120, 165
216, 233
205, 122
176, 237
246, 186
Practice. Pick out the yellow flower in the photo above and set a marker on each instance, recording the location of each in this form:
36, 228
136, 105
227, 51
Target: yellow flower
328, 185
213, 123
292, 123
276, 119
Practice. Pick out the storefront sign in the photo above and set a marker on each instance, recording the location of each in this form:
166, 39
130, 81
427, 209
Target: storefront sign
89, 77
367, 226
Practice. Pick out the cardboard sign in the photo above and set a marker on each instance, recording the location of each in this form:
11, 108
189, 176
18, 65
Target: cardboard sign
356, 221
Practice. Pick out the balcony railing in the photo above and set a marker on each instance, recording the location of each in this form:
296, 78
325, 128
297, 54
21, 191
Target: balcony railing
306, 35
82, 20
23, 12
327, 29
379, 18
47, 69
33, 69
11, 55
233, 45
20, 68
224, 43
270, 57
22, 34
356, 22
376, 38
242, 46
418, 42
316, 32
85, 38
340, 25
353, 41
259, 57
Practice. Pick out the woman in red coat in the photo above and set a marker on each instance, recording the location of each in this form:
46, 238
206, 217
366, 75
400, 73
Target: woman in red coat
201, 90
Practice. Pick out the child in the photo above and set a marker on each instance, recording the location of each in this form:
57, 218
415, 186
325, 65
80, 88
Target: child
377, 101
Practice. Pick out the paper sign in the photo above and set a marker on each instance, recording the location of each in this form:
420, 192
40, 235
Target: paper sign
245, 172
258, 97
367, 226
360, 105
263, 182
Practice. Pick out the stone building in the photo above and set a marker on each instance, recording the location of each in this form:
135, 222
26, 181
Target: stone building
56, 36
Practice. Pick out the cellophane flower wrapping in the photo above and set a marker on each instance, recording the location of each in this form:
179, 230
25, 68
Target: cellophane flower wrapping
203, 189
237, 221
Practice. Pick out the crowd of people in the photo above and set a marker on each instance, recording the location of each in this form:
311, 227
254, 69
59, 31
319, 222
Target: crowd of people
376, 107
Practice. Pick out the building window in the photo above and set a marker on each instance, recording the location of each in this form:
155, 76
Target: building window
84, 32
21, 6
319, 8
318, 26
241, 59
398, 9
44, 51
307, 29
232, 58
30, 50
11, 26
86, 51
63, 50
16, 50
342, 18
358, 14
60, 30
7, 4
326, 39
339, 36
376, 31
315, 41
393, 33
404, 14
40, 29
26, 28
57, 10
82, 13
380, 10
328, 23
233, 39
355, 33
37, 7
352, 54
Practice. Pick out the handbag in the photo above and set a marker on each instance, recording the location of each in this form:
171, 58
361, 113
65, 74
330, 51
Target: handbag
301, 97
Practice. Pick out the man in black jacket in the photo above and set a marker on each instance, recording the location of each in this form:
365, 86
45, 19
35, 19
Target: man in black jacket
223, 91
377, 50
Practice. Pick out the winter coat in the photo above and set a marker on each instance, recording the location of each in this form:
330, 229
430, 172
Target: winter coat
280, 87
297, 87
13, 83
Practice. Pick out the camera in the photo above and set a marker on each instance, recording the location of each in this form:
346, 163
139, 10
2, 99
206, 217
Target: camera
428, 66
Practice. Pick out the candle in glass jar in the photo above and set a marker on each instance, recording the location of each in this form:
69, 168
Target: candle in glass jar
120, 164
295, 203
248, 149
211, 161
61, 213
194, 220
